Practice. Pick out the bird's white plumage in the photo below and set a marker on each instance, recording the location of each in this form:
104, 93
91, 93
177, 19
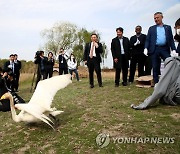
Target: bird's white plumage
46, 89
41, 101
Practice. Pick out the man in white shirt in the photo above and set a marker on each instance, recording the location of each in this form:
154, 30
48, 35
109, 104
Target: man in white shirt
120, 48
92, 58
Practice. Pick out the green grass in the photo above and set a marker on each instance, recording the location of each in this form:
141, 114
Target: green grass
89, 112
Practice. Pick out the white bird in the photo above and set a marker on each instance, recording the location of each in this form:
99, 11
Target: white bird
39, 107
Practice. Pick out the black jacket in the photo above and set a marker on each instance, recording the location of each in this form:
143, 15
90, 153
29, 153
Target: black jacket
42, 63
139, 48
177, 38
3, 88
50, 63
116, 50
7, 69
98, 51
62, 61
18, 63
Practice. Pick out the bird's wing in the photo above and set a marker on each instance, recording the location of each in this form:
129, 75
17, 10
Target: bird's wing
35, 111
46, 90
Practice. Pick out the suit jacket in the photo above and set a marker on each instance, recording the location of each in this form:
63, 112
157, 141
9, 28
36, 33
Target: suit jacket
41, 66
139, 48
7, 69
116, 50
152, 36
62, 61
18, 66
98, 51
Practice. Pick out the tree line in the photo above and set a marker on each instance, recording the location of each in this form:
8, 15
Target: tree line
27, 66
64, 35
70, 37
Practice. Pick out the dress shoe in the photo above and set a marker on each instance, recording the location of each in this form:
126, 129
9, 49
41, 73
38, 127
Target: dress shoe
124, 83
91, 86
130, 83
100, 85
116, 85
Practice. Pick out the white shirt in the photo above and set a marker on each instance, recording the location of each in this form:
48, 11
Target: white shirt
94, 53
12, 65
71, 64
121, 43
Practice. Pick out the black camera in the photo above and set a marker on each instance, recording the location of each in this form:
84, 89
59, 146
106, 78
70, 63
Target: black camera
10, 73
38, 53
8, 70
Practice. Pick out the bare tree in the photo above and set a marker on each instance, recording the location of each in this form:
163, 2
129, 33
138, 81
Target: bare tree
61, 35
69, 37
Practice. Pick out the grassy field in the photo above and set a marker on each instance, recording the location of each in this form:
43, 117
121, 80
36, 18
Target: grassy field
89, 112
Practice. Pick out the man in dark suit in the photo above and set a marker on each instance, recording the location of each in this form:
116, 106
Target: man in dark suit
120, 48
137, 43
92, 57
11, 66
63, 68
41, 62
18, 63
159, 41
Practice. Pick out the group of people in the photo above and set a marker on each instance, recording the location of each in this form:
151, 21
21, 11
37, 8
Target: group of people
144, 50
67, 63
13, 67
9, 81
10, 73
45, 64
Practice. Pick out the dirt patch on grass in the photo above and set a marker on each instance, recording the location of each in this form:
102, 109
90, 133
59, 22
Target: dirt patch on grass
25, 76
23, 149
175, 116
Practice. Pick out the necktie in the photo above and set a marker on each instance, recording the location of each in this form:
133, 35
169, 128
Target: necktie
91, 51
12, 66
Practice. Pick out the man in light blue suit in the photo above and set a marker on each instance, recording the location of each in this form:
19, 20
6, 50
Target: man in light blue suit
159, 43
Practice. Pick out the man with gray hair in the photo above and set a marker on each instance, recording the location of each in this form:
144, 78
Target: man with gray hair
159, 43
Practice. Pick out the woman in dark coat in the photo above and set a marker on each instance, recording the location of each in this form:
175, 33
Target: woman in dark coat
50, 64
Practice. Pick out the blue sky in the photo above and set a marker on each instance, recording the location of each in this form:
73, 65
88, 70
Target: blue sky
21, 21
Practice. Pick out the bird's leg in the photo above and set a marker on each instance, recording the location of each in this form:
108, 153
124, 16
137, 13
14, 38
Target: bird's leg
53, 117
56, 120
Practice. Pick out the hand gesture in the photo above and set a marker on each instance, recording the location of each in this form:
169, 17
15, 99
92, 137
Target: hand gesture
115, 60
